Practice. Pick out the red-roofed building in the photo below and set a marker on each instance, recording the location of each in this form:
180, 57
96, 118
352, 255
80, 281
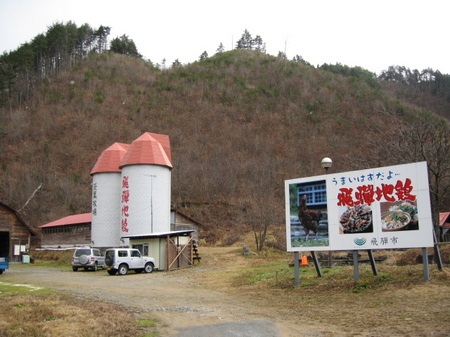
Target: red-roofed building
150, 148
75, 230
70, 231
444, 224
131, 197
110, 159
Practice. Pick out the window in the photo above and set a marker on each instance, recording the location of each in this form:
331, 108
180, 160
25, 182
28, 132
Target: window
316, 193
80, 252
122, 253
143, 248
135, 253
145, 252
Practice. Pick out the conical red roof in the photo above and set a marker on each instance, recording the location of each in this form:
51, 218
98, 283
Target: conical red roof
150, 148
110, 159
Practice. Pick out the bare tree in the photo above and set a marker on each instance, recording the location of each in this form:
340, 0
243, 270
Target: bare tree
419, 137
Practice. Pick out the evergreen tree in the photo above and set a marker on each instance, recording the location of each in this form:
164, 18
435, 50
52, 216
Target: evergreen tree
221, 48
124, 45
248, 42
203, 56
176, 64
245, 42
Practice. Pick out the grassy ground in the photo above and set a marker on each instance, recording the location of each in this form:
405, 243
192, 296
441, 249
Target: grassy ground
398, 296
29, 312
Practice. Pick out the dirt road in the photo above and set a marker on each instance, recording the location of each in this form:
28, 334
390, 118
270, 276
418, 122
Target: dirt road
184, 307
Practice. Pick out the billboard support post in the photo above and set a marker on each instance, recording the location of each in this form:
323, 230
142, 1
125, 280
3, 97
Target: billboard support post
355, 266
437, 252
372, 262
426, 267
316, 263
296, 268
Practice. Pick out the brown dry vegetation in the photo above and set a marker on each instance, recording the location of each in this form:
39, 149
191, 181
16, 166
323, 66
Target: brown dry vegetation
43, 314
397, 302
240, 123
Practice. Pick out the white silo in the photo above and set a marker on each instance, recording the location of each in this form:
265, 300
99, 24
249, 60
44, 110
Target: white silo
106, 197
146, 185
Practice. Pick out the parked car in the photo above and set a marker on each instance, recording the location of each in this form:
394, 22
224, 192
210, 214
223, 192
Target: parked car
120, 260
4, 264
88, 258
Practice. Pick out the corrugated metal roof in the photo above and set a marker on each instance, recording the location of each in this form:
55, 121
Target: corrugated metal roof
110, 158
150, 148
70, 220
159, 234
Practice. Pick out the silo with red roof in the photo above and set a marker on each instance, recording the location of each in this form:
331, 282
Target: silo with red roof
106, 197
146, 185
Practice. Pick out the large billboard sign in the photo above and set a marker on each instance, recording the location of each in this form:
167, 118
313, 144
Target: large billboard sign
380, 208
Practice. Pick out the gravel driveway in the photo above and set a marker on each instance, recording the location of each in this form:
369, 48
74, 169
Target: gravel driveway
186, 308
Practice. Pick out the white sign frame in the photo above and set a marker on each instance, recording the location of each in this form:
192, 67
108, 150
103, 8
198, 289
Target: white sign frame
379, 191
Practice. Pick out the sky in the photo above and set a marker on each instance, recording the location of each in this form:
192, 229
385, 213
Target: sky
371, 34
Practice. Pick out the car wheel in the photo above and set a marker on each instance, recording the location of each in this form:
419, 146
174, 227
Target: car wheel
95, 268
123, 269
74, 268
149, 267
112, 272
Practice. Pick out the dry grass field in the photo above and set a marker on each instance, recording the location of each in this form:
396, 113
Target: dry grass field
397, 302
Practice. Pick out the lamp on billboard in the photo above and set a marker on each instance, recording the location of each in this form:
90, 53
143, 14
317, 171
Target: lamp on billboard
326, 163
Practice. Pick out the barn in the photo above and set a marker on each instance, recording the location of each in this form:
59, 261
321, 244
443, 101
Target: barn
76, 231
16, 237
67, 232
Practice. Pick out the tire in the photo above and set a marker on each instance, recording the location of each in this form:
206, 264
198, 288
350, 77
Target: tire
123, 269
83, 259
1, 271
112, 272
108, 261
149, 267
95, 268
75, 268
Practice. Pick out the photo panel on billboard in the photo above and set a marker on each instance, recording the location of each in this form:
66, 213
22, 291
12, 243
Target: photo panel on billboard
381, 208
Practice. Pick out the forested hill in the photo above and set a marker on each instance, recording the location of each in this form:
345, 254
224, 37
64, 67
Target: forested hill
240, 123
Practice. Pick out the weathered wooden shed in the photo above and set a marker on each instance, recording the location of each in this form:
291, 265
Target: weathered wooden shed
171, 250
181, 222
70, 231
16, 237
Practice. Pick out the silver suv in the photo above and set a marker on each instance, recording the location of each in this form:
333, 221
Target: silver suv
120, 260
88, 258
